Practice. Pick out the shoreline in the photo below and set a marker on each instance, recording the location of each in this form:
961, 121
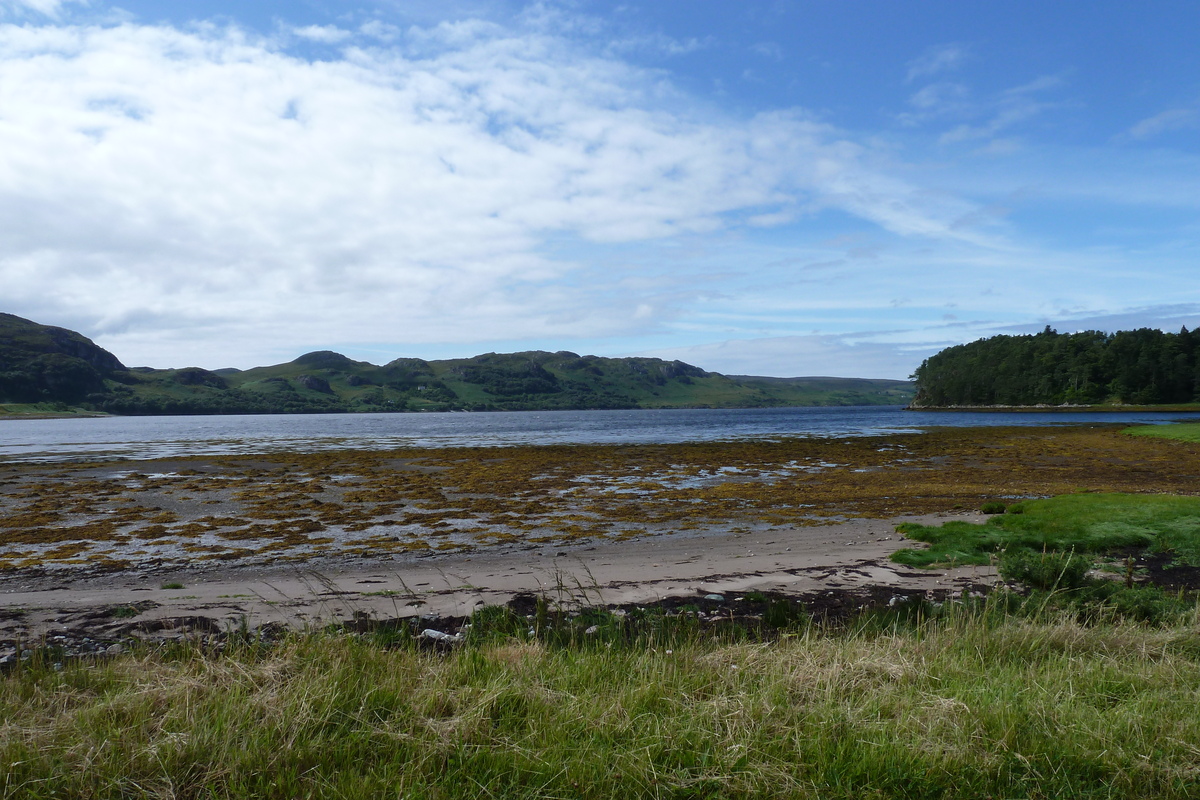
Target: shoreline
1063, 408
1038, 408
176, 547
847, 562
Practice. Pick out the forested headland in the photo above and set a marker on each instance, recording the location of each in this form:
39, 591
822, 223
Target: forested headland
1139, 367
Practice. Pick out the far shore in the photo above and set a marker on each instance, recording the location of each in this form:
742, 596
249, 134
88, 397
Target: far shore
8, 413
1107, 408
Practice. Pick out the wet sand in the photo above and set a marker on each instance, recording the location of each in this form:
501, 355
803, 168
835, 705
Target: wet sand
838, 558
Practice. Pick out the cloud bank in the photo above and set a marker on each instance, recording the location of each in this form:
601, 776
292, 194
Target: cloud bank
413, 193
207, 195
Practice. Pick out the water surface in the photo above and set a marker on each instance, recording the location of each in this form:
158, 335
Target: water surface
158, 437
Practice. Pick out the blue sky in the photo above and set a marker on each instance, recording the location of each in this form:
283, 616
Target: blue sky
774, 188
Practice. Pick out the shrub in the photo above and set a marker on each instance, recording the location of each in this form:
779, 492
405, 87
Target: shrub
1148, 604
993, 507
491, 623
1048, 570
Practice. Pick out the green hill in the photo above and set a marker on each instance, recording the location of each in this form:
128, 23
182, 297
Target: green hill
325, 381
41, 363
1138, 367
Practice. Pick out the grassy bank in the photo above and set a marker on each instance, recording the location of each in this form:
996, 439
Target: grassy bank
1180, 431
1087, 553
971, 704
44, 411
1100, 524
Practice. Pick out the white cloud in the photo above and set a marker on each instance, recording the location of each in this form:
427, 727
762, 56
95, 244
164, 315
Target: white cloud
802, 356
325, 34
1041, 83
1170, 120
1164, 317
48, 8
770, 50
378, 29
937, 96
209, 197
191, 195
1008, 109
658, 44
985, 117
941, 58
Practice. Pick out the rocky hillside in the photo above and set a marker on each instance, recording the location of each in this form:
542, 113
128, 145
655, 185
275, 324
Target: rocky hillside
43, 363
53, 365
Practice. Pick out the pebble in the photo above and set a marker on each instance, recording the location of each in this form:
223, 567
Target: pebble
720, 598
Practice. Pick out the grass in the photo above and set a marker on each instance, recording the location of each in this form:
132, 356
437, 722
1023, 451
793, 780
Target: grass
43, 410
1081, 523
971, 704
1181, 431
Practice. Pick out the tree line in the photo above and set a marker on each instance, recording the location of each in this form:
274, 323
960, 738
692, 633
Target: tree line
1143, 366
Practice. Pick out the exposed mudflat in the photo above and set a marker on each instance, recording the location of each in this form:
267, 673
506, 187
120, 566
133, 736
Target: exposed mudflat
92, 551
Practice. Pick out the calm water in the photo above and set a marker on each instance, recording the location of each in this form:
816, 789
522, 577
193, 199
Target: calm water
153, 437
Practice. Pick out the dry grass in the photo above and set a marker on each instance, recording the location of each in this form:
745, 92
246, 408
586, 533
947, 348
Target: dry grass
973, 705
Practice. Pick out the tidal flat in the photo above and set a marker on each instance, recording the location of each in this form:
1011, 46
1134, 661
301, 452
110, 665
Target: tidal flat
155, 515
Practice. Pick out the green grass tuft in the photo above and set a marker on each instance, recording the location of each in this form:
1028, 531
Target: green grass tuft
1082, 523
1181, 431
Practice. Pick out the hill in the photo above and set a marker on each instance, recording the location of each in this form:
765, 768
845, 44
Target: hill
1140, 367
41, 362
81, 374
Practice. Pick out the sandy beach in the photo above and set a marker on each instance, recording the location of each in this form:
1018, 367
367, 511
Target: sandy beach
841, 557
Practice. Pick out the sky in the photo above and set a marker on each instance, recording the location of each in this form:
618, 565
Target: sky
763, 187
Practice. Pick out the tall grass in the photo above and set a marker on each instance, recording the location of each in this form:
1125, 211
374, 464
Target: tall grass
970, 704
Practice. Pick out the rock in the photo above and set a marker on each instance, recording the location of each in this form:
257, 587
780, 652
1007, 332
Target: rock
720, 598
115, 649
439, 636
194, 376
314, 383
592, 629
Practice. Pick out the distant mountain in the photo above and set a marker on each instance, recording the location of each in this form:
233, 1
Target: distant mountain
325, 381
